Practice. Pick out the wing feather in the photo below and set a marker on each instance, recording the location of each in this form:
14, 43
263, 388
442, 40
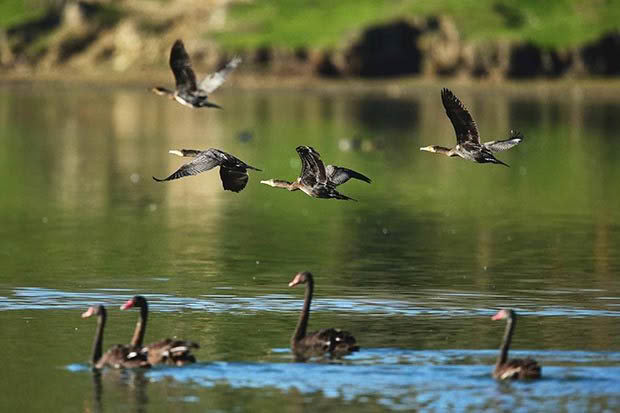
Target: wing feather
214, 80
503, 145
312, 168
205, 161
464, 125
338, 175
233, 179
182, 67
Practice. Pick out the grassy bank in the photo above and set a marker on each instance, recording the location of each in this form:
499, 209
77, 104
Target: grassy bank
325, 23
14, 12
538, 38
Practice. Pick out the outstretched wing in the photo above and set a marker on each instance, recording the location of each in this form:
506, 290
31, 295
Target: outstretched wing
327, 191
182, 67
498, 146
215, 80
203, 162
230, 161
312, 168
338, 175
464, 125
233, 179
478, 153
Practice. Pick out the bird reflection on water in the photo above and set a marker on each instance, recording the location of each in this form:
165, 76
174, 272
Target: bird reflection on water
134, 382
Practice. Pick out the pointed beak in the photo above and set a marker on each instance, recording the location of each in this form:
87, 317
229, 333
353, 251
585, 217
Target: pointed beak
213, 105
127, 305
427, 149
293, 283
160, 91
88, 312
498, 316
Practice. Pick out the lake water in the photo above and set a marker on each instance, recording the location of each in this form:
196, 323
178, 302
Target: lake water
414, 270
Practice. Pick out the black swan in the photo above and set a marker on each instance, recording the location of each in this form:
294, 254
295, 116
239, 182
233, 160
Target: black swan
516, 368
468, 144
166, 351
315, 178
330, 341
187, 91
119, 356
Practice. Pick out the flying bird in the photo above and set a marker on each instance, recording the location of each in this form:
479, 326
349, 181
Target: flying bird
468, 144
188, 92
315, 178
233, 171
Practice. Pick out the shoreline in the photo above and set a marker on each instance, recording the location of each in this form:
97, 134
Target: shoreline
396, 87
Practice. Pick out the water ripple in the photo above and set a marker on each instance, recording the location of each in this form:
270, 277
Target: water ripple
33, 298
400, 386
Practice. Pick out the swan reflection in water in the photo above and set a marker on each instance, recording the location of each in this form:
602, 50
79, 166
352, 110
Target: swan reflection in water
133, 382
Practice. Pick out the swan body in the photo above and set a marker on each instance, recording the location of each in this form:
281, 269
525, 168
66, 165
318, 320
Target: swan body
515, 368
167, 351
118, 356
328, 341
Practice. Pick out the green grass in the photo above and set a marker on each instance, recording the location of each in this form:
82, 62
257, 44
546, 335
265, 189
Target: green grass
323, 24
295, 23
326, 23
14, 12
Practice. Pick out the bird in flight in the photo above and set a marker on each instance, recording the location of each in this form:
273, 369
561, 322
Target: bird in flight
233, 171
468, 144
315, 178
187, 91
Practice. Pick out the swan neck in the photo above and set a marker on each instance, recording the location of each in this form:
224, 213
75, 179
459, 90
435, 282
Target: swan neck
503, 350
138, 333
302, 324
98, 343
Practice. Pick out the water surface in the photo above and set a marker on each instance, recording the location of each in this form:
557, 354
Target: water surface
415, 269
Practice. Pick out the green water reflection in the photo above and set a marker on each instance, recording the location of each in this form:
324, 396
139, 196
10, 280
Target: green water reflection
79, 212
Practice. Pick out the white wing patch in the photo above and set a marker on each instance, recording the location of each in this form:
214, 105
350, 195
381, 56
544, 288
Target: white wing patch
510, 373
